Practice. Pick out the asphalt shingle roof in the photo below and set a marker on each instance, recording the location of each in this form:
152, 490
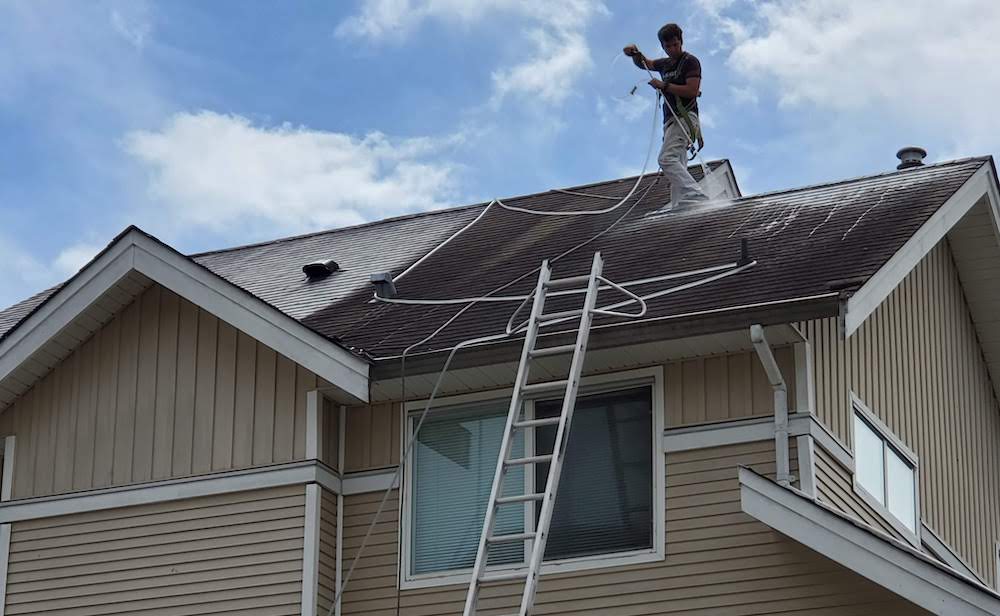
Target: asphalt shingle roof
804, 240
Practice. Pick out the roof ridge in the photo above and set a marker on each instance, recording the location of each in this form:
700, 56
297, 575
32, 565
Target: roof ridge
413, 215
458, 208
945, 163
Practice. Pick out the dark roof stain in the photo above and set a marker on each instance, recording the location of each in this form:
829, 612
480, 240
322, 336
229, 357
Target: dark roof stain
806, 241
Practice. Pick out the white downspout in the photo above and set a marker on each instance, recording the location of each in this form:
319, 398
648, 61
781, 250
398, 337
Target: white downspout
763, 349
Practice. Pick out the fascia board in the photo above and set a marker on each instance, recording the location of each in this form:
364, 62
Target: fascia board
139, 252
892, 567
871, 295
50, 318
247, 313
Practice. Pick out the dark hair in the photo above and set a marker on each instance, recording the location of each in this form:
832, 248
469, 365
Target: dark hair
670, 32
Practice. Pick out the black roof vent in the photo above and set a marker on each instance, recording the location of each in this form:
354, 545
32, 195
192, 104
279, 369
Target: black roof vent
911, 156
318, 270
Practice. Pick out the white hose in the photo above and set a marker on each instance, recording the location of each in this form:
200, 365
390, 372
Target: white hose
642, 174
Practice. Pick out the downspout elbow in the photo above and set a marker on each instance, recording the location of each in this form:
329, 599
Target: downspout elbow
780, 390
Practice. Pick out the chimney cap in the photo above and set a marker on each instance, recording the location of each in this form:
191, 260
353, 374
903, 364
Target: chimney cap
910, 156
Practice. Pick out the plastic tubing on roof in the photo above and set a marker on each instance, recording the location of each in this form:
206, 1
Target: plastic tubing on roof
519, 298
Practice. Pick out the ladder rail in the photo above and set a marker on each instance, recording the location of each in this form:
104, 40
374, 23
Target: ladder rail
561, 441
482, 552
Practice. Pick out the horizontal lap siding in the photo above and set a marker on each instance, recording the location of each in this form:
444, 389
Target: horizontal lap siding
164, 389
231, 554
835, 487
917, 364
719, 561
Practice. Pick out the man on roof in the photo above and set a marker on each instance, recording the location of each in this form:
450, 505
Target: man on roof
680, 83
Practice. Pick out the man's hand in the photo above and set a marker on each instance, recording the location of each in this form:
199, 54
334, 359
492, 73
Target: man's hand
658, 85
631, 50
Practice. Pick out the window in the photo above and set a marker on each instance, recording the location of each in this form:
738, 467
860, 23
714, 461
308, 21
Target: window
884, 470
609, 498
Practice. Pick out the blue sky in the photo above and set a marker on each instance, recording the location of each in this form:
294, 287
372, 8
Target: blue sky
212, 124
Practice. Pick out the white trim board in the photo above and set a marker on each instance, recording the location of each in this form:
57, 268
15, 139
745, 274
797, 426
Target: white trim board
310, 551
946, 554
863, 303
170, 490
652, 377
136, 251
755, 429
889, 563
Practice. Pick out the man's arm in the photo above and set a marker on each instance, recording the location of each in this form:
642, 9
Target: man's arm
640, 60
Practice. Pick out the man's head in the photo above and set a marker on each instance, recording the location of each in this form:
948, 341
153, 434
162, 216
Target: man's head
672, 39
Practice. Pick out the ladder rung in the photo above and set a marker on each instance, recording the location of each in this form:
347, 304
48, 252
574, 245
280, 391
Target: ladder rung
520, 498
534, 423
504, 577
565, 314
509, 538
529, 460
549, 351
562, 283
546, 386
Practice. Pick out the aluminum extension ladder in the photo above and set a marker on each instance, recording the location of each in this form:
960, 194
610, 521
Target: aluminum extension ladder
515, 424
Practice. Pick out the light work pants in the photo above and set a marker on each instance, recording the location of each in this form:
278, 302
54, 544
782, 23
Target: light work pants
673, 161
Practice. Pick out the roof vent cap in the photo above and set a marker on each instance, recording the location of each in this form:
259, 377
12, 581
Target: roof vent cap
318, 270
910, 156
384, 286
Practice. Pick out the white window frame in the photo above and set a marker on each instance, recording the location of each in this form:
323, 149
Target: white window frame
909, 457
651, 377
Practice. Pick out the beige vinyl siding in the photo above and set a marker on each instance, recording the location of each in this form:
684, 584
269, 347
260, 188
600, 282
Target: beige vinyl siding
330, 427
163, 390
835, 487
327, 551
702, 390
374, 433
229, 554
719, 561
917, 364
723, 387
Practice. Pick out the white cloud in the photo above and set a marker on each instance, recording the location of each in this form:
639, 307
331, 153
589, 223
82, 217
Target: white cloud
919, 62
556, 46
72, 258
223, 173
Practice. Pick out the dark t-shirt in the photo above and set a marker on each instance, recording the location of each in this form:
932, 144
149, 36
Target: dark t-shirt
678, 72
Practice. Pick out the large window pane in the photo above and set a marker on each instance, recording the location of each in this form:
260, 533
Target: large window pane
605, 497
899, 484
868, 459
453, 464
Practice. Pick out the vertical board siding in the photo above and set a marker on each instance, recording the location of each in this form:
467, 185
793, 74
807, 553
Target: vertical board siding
917, 364
230, 554
724, 387
835, 487
375, 432
163, 390
327, 552
719, 561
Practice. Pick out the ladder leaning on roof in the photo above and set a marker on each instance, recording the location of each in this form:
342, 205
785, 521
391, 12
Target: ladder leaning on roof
516, 423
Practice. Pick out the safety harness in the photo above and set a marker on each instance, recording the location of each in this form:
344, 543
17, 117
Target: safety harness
697, 140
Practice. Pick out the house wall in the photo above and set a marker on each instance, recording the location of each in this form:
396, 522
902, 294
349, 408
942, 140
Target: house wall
917, 364
164, 389
835, 487
719, 560
231, 554
697, 391
327, 589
